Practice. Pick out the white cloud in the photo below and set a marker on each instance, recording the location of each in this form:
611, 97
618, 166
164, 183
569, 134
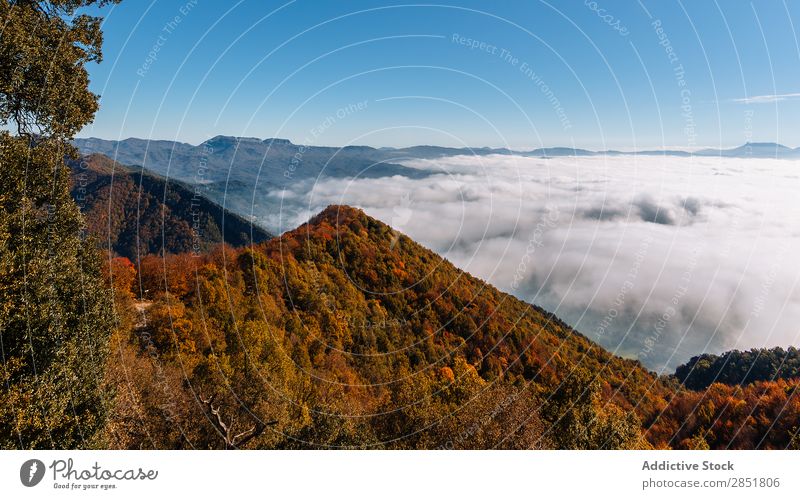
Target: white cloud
767, 99
687, 254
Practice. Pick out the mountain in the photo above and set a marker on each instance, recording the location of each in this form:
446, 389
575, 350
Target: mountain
560, 151
265, 180
345, 333
245, 156
663, 152
462, 315
257, 162
133, 151
432, 152
135, 213
236, 171
753, 150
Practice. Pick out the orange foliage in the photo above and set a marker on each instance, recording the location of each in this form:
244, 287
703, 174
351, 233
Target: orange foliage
121, 275
763, 415
175, 274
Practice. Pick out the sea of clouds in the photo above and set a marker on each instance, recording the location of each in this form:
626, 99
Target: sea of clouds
657, 258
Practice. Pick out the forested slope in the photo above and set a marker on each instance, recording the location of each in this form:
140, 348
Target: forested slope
135, 213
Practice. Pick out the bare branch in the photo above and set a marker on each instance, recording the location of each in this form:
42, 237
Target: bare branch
226, 429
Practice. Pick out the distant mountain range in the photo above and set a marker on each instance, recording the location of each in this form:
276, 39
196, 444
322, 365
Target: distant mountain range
222, 153
270, 162
754, 150
247, 175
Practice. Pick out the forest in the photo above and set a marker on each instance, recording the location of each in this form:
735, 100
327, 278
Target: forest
120, 333
330, 337
135, 213
740, 368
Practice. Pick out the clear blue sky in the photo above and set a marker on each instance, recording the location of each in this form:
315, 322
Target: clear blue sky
604, 74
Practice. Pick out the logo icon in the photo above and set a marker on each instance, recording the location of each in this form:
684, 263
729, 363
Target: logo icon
31, 472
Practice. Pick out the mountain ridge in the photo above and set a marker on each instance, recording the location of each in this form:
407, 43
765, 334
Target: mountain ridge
251, 176
169, 216
421, 151
359, 336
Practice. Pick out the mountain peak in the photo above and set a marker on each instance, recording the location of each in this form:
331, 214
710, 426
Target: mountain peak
767, 145
231, 139
277, 142
337, 214
443, 307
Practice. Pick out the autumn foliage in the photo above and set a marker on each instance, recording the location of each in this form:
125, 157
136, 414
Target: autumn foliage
330, 337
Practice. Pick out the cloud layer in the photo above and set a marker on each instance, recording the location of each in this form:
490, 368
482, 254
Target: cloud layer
657, 258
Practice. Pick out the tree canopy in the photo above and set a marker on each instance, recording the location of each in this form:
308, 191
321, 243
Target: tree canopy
740, 367
55, 318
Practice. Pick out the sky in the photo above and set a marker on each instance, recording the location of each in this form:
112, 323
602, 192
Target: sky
596, 74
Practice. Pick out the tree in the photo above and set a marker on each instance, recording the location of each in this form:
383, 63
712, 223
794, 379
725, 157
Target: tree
55, 317
580, 420
739, 368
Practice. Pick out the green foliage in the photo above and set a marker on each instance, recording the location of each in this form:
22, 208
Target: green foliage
44, 85
740, 368
54, 318
55, 314
579, 419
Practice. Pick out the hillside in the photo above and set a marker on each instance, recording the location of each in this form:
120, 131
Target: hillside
740, 368
344, 333
498, 334
135, 214
331, 336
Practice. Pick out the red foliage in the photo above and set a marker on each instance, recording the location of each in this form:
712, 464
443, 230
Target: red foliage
120, 275
763, 415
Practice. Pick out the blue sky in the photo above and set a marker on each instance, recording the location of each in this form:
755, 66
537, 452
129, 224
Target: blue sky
596, 74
